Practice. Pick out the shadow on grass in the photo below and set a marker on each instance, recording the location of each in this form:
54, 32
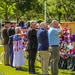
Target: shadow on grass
68, 73
72, 74
37, 67
25, 69
64, 73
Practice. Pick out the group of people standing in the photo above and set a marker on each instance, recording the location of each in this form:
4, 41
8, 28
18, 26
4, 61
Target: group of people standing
48, 46
13, 47
40, 39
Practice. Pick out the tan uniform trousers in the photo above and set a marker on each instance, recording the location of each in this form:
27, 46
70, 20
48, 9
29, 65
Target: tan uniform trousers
6, 54
54, 59
45, 55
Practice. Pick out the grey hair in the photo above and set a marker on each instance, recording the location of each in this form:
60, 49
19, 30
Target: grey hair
42, 24
17, 28
54, 21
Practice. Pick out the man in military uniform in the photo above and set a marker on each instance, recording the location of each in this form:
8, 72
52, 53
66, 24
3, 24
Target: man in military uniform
5, 42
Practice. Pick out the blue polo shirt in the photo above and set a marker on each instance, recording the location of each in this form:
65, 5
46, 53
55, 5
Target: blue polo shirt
42, 36
53, 36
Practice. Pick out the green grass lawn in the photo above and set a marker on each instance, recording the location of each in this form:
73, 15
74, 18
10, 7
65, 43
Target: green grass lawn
7, 70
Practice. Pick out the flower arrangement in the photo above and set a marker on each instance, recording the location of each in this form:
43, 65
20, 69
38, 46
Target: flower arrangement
67, 43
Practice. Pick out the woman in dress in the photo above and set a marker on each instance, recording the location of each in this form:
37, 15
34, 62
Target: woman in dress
18, 59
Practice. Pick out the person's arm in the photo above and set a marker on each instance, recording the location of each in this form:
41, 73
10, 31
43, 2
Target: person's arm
29, 34
4, 33
60, 29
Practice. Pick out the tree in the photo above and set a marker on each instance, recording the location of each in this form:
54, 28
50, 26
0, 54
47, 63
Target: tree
69, 7
6, 8
61, 9
29, 7
34, 9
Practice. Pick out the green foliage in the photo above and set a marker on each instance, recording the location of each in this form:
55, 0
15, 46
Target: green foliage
61, 9
6, 9
27, 5
40, 20
34, 9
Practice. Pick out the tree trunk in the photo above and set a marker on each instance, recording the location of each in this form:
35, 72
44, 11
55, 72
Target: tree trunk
59, 16
6, 13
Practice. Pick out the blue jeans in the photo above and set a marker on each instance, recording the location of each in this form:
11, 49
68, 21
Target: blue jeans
11, 55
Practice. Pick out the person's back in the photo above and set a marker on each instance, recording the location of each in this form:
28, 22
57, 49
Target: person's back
53, 35
32, 39
11, 32
5, 35
32, 35
42, 39
32, 47
43, 45
18, 57
5, 42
